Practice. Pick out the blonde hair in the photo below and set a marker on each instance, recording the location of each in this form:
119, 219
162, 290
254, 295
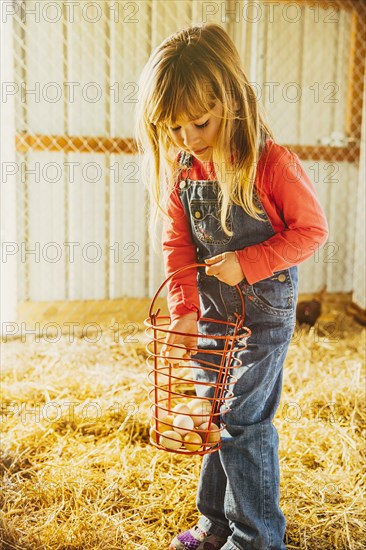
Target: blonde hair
184, 77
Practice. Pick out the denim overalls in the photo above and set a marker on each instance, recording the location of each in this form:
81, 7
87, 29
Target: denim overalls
238, 493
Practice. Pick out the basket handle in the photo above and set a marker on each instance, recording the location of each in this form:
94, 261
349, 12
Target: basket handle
183, 269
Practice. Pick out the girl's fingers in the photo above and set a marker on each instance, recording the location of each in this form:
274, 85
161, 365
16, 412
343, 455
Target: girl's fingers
215, 259
213, 271
191, 346
210, 261
162, 353
166, 347
214, 267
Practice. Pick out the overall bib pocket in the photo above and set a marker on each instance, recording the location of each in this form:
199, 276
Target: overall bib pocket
206, 222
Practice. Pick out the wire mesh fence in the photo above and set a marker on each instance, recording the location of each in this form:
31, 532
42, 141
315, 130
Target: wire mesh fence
80, 202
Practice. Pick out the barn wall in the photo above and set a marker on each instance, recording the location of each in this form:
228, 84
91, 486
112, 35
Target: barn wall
9, 242
359, 271
81, 216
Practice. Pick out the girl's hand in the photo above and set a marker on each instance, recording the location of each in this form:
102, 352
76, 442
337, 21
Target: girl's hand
226, 268
188, 324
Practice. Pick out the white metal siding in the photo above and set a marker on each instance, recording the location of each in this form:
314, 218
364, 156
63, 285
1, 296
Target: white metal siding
333, 264
9, 260
110, 212
359, 271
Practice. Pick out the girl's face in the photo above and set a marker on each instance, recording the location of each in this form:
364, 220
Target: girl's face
198, 137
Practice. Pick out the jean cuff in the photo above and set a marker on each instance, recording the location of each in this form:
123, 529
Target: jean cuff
229, 546
214, 528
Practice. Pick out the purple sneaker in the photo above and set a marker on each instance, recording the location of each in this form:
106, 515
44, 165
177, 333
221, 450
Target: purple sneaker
196, 539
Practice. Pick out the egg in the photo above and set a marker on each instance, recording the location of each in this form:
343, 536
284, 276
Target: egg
200, 411
175, 355
171, 440
182, 424
181, 408
161, 413
214, 434
195, 402
165, 424
192, 441
153, 434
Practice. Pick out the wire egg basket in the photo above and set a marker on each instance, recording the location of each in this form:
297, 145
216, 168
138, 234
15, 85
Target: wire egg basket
190, 396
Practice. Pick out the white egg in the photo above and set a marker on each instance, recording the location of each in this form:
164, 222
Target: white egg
175, 355
200, 412
153, 434
161, 413
165, 424
195, 402
182, 424
181, 408
214, 434
171, 440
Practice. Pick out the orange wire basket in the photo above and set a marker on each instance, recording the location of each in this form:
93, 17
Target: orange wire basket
181, 421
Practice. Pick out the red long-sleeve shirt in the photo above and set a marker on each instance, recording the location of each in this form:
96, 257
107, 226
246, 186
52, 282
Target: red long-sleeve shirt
291, 203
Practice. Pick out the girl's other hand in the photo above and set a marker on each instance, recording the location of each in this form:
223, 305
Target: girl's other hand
187, 324
225, 267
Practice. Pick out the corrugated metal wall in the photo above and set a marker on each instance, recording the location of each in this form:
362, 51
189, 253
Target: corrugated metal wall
90, 205
84, 213
359, 272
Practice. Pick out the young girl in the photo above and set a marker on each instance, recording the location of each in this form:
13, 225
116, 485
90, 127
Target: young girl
232, 198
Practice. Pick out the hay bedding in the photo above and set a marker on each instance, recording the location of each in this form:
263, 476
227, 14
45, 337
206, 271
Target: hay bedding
79, 473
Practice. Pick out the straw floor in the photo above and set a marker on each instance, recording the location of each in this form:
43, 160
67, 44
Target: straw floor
78, 471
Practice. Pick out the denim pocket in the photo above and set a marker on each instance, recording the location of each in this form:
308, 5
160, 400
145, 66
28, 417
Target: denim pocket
274, 295
206, 222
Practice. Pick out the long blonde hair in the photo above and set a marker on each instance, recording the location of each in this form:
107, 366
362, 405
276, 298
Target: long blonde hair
185, 75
